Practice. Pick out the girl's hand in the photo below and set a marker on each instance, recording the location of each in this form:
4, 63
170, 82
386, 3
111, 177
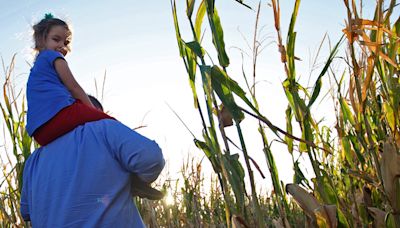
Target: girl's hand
63, 51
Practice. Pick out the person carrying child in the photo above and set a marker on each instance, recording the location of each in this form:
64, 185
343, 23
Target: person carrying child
56, 102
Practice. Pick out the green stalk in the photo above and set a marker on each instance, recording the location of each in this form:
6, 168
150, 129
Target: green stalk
260, 221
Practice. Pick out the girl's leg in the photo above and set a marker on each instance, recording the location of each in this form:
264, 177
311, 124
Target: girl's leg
66, 120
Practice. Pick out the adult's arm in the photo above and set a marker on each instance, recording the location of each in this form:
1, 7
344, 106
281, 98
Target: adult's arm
135, 152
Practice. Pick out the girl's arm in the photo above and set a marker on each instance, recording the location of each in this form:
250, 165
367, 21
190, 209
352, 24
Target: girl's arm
69, 81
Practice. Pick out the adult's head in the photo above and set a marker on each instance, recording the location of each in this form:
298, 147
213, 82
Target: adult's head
96, 102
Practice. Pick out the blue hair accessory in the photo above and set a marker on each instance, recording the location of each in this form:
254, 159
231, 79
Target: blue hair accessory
48, 16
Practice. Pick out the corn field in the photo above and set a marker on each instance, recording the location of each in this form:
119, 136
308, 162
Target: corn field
355, 165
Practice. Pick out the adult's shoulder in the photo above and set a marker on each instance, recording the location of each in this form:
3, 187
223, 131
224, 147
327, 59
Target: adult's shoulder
117, 133
111, 126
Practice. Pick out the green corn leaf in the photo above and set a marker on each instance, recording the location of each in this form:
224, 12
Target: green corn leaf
289, 96
347, 115
318, 83
299, 177
389, 115
203, 146
209, 152
189, 7
201, 11
217, 33
291, 38
297, 104
293, 18
308, 131
329, 191
196, 48
302, 146
220, 76
206, 73
346, 150
357, 149
191, 66
222, 85
390, 221
289, 129
7, 118
177, 32
290, 57
342, 220
236, 178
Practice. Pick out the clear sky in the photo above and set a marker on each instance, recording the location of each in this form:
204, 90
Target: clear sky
134, 42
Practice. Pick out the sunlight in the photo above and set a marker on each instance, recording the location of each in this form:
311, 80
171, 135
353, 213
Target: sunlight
169, 199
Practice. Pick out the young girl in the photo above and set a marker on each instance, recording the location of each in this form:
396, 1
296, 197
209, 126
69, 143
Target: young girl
56, 102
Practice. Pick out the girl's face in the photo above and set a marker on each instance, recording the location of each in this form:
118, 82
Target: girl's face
57, 39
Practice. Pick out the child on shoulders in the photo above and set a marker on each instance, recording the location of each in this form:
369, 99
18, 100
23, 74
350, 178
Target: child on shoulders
56, 102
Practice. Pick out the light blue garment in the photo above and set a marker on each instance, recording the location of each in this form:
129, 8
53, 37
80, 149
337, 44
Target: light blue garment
45, 92
82, 178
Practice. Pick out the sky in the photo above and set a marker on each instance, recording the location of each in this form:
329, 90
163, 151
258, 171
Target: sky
134, 43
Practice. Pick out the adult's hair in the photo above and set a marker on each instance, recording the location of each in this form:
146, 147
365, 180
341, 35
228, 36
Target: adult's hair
42, 29
95, 102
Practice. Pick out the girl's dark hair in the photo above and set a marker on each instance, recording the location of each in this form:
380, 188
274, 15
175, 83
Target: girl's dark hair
41, 29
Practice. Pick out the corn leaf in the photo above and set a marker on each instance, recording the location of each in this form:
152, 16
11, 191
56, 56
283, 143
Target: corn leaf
201, 11
223, 86
346, 150
289, 129
236, 178
318, 83
290, 43
190, 64
390, 170
177, 32
189, 7
390, 221
196, 48
217, 33
305, 200
357, 149
347, 115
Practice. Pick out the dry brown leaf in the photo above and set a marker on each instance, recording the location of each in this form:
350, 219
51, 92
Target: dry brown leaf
372, 46
331, 212
357, 29
238, 222
326, 215
305, 200
225, 117
372, 25
367, 199
390, 170
368, 78
378, 215
278, 223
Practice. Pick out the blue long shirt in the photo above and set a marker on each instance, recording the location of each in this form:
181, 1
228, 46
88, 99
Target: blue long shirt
82, 178
45, 92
